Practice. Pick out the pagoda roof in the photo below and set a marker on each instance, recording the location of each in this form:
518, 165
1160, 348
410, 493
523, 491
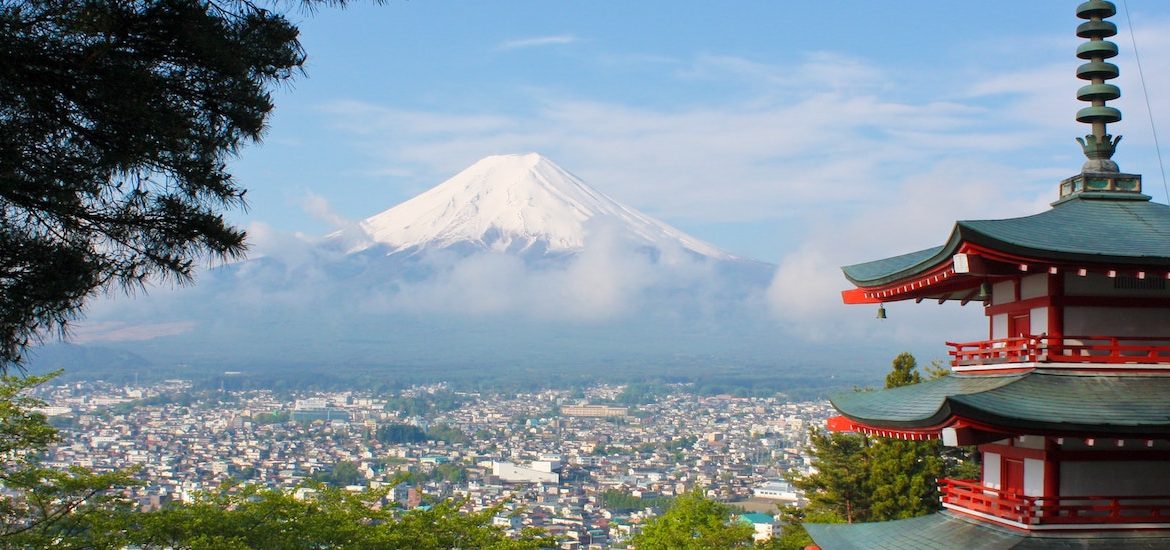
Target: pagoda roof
1095, 228
1036, 402
948, 530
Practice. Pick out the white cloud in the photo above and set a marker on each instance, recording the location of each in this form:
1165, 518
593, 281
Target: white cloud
346, 232
118, 331
536, 41
607, 280
319, 208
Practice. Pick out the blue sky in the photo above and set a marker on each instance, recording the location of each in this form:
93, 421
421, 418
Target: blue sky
805, 134
749, 124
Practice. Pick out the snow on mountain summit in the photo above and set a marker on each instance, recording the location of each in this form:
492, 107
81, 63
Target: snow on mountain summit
517, 203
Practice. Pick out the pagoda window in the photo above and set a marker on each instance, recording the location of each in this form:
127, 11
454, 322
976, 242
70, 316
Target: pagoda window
1134, 283
1098, 284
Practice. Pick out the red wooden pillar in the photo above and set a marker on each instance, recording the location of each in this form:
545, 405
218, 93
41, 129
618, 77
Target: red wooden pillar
1051, 468
1056, 313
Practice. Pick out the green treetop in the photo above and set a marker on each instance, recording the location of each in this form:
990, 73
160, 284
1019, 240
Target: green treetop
694, 523
904, 371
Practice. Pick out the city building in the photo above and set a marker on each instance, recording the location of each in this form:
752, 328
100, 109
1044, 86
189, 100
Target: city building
764, 525
1066, 398
539, 472
594, 411
776, 490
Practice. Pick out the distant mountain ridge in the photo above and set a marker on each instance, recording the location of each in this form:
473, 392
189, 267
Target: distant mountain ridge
515, 203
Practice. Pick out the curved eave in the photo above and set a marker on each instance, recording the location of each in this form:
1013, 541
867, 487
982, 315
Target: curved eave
921, 406
1035, 402
1089, 230
891, 270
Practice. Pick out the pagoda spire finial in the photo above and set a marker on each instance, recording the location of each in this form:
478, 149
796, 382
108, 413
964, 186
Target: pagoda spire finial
1099, 145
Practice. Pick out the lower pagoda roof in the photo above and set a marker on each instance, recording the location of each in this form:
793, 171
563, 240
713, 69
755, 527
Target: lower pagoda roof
1036, 402
946, 530
1109, 228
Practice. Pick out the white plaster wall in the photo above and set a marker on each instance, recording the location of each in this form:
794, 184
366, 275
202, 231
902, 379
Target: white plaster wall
1033, 286
999, 325
1104, 478
1003, 292
991, 470
1115, 321
1039, 320
1033, 477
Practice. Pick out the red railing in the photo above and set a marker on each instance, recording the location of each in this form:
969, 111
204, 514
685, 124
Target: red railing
1069, 349
973, 496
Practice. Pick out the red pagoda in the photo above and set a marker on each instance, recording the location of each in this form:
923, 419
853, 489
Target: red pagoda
1068, 398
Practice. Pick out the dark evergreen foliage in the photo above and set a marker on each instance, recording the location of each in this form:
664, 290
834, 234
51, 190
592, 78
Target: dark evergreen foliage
424, 404
342, 474
618, 500
862, 479
116, 122
400, 433
903, 371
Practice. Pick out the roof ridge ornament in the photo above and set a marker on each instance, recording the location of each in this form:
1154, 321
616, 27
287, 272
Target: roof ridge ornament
1098, 146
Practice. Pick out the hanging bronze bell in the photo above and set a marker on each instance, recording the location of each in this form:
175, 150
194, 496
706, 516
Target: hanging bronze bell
881, 311
984, 292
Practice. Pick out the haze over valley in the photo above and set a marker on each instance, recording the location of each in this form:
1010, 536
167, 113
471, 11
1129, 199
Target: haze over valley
513, 262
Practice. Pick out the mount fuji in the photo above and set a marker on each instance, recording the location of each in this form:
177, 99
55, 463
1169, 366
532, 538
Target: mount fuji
517, 204
512, 261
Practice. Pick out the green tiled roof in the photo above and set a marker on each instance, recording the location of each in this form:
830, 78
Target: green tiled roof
881, 268
755, 518
1103, 228
1037, 401
945, 530
1130, 231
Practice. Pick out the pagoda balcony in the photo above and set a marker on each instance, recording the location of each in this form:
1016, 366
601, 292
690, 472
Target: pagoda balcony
1107, 512
1102, 350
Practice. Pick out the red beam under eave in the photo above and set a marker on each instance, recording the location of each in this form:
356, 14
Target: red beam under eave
952, 286
840, 423
941, 280
966, 432
857, 296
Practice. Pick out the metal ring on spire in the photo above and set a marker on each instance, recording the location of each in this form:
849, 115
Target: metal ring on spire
1099, 145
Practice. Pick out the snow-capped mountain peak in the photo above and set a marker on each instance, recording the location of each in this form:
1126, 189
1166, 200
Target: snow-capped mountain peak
516, 203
